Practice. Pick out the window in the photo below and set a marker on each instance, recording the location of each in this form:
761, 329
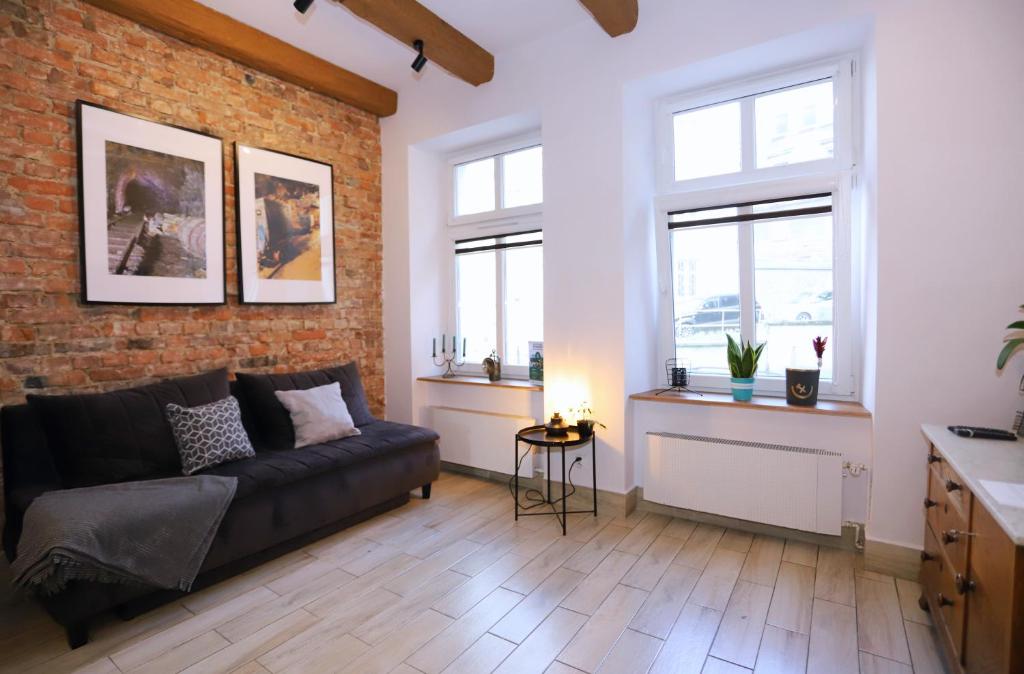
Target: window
500, 297
790, 273
498, 185
793, 124
758, 238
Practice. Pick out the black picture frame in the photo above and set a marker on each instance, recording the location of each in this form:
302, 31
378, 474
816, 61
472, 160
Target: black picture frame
293, 169
100, 285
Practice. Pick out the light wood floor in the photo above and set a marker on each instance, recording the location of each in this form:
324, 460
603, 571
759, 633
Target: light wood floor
452, 584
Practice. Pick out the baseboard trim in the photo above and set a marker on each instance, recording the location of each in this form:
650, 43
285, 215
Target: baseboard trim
608, 502
892, 559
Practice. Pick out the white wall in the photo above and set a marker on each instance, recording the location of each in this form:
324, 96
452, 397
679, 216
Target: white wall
949, 142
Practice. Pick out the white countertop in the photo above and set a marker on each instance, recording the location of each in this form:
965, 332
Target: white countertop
977, 460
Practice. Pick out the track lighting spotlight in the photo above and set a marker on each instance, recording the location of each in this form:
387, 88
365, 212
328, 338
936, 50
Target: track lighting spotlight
302, 5
420, 59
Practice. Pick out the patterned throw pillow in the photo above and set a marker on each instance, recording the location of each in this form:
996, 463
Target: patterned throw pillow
209, 435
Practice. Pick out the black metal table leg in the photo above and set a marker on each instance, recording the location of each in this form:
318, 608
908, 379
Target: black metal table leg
564, 497
549, 475
593, 463
515, 469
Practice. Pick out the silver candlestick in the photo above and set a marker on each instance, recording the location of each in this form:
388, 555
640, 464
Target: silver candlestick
448, 358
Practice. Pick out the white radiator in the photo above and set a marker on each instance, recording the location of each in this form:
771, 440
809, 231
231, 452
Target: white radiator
792, 487
480, 439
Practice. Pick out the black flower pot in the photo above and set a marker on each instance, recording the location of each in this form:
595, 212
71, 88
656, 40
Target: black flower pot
802, 387
585, 427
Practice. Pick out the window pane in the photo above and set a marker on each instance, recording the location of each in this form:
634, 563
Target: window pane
474, 187
524, 302
706, 287
794, 125
477, 293
522, 177
793, 285
708, 141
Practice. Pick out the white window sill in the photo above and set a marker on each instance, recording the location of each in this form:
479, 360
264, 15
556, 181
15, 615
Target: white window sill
465, 380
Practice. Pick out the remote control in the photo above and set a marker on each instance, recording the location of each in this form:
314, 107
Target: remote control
983, 433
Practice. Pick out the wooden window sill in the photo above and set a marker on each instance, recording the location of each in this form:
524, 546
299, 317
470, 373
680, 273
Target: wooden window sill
826, 407
465, 380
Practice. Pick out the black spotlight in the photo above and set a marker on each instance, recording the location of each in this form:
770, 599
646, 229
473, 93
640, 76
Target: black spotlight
302, 5
420, 59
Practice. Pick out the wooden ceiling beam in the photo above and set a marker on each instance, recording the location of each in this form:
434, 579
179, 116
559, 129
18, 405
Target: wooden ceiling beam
201, 26
617, 17
408, 20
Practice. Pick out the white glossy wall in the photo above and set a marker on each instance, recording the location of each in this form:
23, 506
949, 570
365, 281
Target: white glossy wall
942, 174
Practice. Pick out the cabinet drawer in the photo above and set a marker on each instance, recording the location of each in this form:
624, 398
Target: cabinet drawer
939, 587
950, 525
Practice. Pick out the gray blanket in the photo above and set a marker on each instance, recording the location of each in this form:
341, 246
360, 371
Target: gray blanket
155, 532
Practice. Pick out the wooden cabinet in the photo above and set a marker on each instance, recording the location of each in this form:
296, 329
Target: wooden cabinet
972, 577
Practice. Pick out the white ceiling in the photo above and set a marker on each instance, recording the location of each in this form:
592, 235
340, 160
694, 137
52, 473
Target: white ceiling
331, 32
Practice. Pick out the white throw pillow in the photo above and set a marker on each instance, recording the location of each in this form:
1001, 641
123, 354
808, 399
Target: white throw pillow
318, 414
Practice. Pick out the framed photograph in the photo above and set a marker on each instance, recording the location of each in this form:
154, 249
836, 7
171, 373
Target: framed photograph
151, 207
285, 228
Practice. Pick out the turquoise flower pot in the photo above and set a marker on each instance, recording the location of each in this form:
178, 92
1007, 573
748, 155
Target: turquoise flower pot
742, 388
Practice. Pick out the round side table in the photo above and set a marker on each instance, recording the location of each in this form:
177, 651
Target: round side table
537, 436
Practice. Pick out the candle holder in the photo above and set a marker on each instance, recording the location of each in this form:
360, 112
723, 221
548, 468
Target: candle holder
448, 358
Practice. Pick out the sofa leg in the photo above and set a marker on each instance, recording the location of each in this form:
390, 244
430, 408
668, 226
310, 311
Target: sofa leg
78, 634
426, 490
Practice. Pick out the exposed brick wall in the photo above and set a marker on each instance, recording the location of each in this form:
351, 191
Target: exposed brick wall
55, 51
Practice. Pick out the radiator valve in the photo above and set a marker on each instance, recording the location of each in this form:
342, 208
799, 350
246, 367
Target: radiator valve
853, 469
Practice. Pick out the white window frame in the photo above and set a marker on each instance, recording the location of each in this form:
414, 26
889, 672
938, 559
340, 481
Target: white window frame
500, 213
837, 176
501, 301
497, 223
844, 149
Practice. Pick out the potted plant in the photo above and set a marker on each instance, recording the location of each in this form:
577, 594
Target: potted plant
802, 384
584, 421
1013, 342
742, 366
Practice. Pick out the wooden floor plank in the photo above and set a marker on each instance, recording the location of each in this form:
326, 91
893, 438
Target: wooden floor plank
910, 592
594, 588
700, 546
483, 656
739, 541
880, 621
658, 614
763, 559
923, 651
538, 651
532, 611
834, 578
387, 655
794, 594
595, 639
590, 555
799, 552
717, 581
633, 653
739, 635
465, 597
643, 534
833, 640
872, 664
648, 570
715, 666
686, 648
782, 652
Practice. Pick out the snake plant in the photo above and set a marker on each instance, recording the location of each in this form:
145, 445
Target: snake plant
1013, 341
743, 361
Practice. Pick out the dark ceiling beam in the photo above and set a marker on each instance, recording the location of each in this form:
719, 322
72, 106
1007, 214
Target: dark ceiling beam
408, 21
617, 17
201, 26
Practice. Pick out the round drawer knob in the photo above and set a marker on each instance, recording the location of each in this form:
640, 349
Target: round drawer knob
926, 556
951, 536
934, 458
943, 600
953, 486
928, 503
963, 586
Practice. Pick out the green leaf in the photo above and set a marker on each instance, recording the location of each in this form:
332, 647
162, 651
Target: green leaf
1009, 348
1016, 325
747, 366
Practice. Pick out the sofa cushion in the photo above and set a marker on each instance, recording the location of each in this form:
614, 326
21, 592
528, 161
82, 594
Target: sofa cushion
276, 468
272, 423
318, 414
209, 435
100, 438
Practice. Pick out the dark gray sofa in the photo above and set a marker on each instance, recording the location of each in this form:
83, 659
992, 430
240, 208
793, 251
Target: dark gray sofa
285, 498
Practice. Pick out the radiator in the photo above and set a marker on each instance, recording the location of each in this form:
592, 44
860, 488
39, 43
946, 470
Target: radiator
792, 487
480, 439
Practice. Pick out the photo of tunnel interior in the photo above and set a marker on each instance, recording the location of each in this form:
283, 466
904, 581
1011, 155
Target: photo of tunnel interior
156, 220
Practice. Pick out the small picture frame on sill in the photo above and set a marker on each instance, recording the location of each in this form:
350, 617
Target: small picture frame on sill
285, 234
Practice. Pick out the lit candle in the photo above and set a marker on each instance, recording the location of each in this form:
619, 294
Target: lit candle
433, 353
463, 347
